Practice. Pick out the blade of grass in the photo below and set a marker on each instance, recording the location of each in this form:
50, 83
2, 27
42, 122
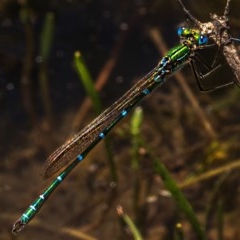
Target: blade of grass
179, 197
28, 63
128, 221
135, 129
178, 233
89, 87
87, 81
46, 39
211, 206
103, 75
211, 173
169, 182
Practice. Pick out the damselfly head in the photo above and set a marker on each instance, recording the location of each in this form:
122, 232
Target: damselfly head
192, 34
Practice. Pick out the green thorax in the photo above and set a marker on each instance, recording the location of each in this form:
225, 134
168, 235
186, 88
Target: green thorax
179, 54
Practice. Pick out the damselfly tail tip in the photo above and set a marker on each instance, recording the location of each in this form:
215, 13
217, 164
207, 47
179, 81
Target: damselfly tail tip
18, 226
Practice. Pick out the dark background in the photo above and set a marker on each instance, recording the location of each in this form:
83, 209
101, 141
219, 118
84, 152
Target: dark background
103, 30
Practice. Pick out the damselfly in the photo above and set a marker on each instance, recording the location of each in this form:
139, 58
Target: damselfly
75, 150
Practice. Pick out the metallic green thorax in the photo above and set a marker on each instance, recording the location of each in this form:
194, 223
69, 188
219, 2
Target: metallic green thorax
178, 56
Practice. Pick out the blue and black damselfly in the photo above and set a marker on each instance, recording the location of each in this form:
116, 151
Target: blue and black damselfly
76, 149
192, 40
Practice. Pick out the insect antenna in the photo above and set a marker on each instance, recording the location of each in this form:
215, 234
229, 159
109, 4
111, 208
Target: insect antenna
227, 9
189, 15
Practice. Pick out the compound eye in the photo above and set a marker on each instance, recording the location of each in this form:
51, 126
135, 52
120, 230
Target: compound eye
202, 40
180, 31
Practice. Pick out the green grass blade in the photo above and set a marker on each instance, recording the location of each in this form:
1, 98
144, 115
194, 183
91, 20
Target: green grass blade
128, 221
135, 129
46, 37
180, 199
88, 84
178, 232
87, 81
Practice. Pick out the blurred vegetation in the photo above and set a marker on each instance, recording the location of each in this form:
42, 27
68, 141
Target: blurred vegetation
177, 159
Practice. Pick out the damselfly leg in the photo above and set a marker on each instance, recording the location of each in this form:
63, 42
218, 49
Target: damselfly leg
210, 69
